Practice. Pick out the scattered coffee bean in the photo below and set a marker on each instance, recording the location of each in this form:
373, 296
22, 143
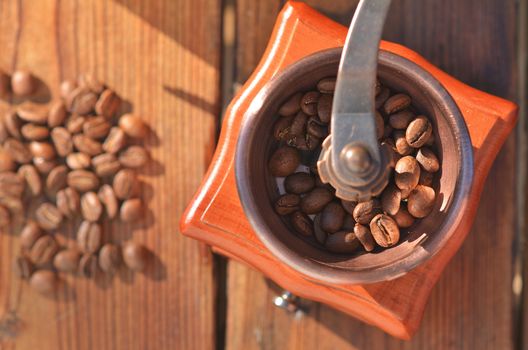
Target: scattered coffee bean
319, 234
32, 113
107, 104
13, 124
44, 282
401, 119
67, 86
364, 236
365, 211
17, 150
110, 258
418, 132
56, 179
309, 102
284, 161
62, 141
43, 250
42, 150
299, 183
291, 106
135, 256
342, 242
131, 210
287, 204
23, 267
426, 178
67, 260
384, 230
11, 184
115, 140
125, 184
89, 237
87, 145
326, 85
382, 96
332, 217
82, 180
324, 108
23, 83
396, 103
88, 265
6, 161
89, 81
44, 166
34, 132
428, 160
68, 202
109, 200
75, 123
133, 126
32, 178
91, 207
402, 147
96, 127
48, 216
391, 199
106, 164
57, 114
407, 173
313, 202
29, 234
302, 223
81, 101
349, 206
421, 201
78, 160
403, 218
133, 157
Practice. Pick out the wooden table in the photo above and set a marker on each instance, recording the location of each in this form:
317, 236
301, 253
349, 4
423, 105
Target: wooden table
168, 60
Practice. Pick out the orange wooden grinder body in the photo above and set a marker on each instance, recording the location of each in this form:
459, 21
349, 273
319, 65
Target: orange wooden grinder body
216, 217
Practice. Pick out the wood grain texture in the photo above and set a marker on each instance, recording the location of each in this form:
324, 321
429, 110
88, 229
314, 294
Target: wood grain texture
169, 75
471, 306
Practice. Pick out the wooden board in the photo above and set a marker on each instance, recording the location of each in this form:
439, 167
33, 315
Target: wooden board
168, 74
471, 307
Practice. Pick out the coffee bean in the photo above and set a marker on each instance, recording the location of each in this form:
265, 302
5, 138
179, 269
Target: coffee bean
131, 210
319, 234
23, 267
44, 166
426, 178
12, 125
68, 202
81, 101
44, 282
316, 128
48, 216
394, 156
365, 211
326, 85
305, 142
133, 126
91, 207
299, 183
364, 236
5, 84
32, 178
302, 223
89, 81
109, 200
106, 165
6, 161
418, 132
428, 160
23, 83
78, 160
284, 161
82, 180
403, 218
396, 103
314, 202
332, 217
407, 173
88, 265
66, 87
43, 250
87, 145
17, 150
57, 114
110, 258
96, 127
135, 256
382, 97
107, 104
402, 147
298, 125
62, 140
75, 123
42, 150
391, 199
380, 126
309, 102
89, 237
401, 119
115, 140
11, 184
5, 217
34, 132
342, 242
287, 204
133, 157
57, 179
281, 128
67, 260
324, 108
421, 201
291, 106
14, 205
29, 235
125, 183
384, 230
33, 113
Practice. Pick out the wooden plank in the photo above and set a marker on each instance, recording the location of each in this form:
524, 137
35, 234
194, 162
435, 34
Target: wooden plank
471, 305
169, 75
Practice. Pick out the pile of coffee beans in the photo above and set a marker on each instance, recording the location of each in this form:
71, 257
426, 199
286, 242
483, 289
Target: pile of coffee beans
311, 208
71, 162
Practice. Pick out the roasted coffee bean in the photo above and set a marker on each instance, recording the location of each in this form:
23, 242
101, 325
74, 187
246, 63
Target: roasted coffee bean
5, 217
81, 101
48, 216
281, 128
348, 223
418, 132
421, 201
391, 199
6, 161
110, 258
426, 178
23, 267
133, 126
364, 236
42, 150
428, 160
291, 106
107, 104
304, 142
62, 140
284, 161
384, 230
66, 87
135, 256
32, 178
316, 128
78, 160
407, 173
125, 183
287, 204
14, 206
11, 184
106, 164
23, 83
89, 81
43, 250
68, 202
299, 183
57, 114
96, 127
314, 202
365, 211
402, 147
44, 166
29, 235
394, 156
91, 207
75, 123
13, 124
131, 210
5, 84
133, 157
44, 282
57, 179
33, 113
319, 234
380, 126
88, 265
89, 237
298, 125
82, 180
403, 218
349, 206
67, 260
342, 242
401, 119
309, 102
87, 145
34, 132
396, 103
17, 150
387, 131
324, 108
332, 217
326, 85
115, 140
109, 200
302, 223
382, 97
